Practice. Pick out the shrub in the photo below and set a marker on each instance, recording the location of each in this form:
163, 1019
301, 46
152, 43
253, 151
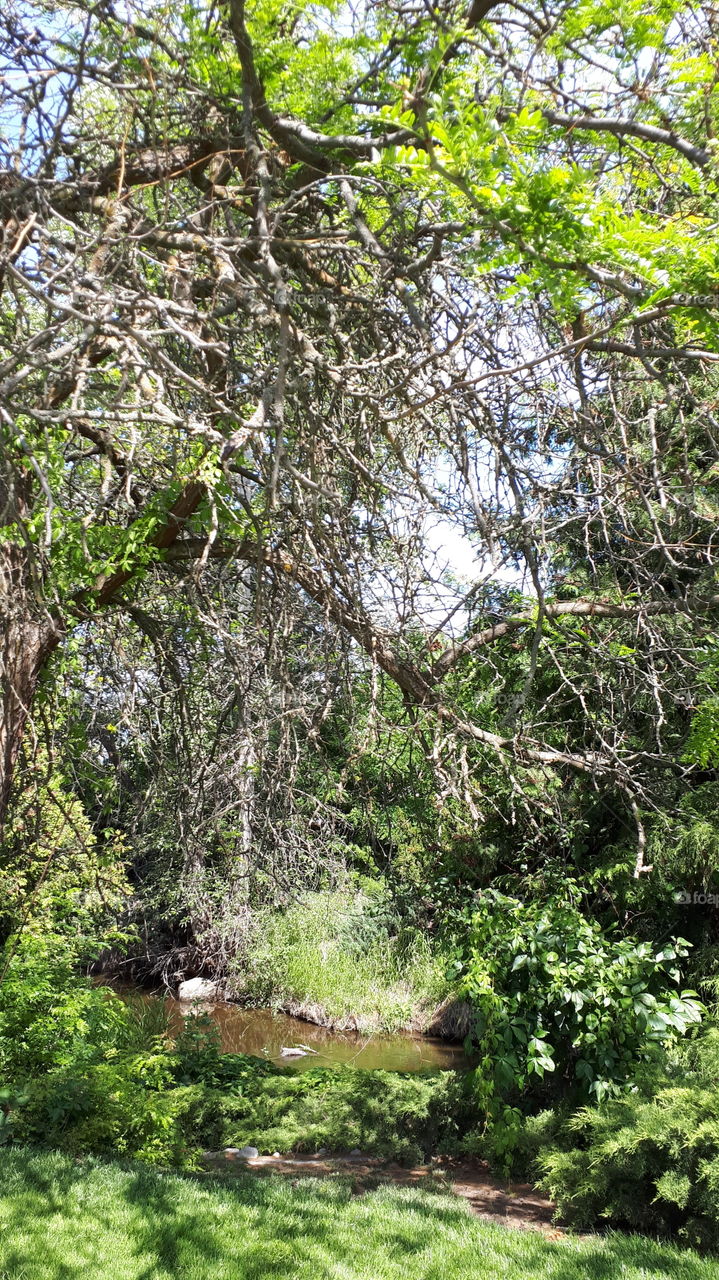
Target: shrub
56, 874
553, 995
50, 1015
251, 1101
403, 1117
648, 1160
129, 1107
80, 1068
136, 1107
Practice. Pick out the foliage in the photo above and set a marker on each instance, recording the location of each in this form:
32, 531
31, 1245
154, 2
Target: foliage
168, 1107
293, 302
57, 873
407, 1118
49, 1015
703, 742
164, 415
650, 1159
552, 993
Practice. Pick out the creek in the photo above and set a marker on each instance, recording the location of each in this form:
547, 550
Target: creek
264, 1034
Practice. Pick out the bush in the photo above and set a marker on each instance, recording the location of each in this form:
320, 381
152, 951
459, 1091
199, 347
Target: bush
553, 995
49, 1015
648, 1160
250, 1101
79, 1067
56, 874
128, 1107
382, 1113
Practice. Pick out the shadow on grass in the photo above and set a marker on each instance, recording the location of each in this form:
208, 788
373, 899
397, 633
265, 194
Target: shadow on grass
67, 1220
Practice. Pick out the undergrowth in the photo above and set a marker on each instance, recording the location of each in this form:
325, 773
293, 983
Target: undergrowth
344, 959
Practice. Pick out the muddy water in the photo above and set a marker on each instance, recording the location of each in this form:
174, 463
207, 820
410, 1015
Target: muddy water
264, 1034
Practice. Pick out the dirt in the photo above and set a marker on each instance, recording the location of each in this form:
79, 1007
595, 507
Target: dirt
510, 1204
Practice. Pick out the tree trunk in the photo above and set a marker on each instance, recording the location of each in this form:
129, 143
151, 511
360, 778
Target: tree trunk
28, 635
30, 632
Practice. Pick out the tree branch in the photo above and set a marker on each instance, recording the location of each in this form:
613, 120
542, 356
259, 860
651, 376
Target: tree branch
303, 143
478, 11
567, 608
630, 129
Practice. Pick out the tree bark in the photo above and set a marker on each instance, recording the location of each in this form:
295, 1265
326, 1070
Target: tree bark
27, 638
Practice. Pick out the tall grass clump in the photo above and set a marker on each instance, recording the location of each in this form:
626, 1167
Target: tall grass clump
343, 960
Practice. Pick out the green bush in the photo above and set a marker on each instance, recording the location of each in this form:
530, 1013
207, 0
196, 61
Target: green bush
251, 1101
57, 875
49, 1014
79, 1067
648, 1160
554, 995
128, 1107
382, 1113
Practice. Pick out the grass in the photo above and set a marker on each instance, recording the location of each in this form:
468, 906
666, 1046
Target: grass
62, 1219
337, 957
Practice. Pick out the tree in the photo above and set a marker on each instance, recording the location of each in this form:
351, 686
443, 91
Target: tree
286, 287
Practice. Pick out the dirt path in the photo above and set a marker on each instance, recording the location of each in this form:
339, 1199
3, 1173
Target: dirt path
511, 1204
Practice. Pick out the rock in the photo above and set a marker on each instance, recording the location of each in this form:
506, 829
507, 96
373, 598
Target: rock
322, 1151
197, 989
276, 1155
231, 1152
248, 1153
355, 1151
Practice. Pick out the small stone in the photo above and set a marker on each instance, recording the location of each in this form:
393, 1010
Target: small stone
322, 1151
275, 1155
248, 1153
355, 1151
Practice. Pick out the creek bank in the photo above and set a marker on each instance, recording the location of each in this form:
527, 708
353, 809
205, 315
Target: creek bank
450, 1020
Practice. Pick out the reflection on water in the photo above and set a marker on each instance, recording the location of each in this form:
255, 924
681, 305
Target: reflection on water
264, 1033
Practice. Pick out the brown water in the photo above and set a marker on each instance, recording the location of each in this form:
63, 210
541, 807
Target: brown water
263, 1033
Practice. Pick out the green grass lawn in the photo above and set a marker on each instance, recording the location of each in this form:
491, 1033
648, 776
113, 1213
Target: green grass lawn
61, 1219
